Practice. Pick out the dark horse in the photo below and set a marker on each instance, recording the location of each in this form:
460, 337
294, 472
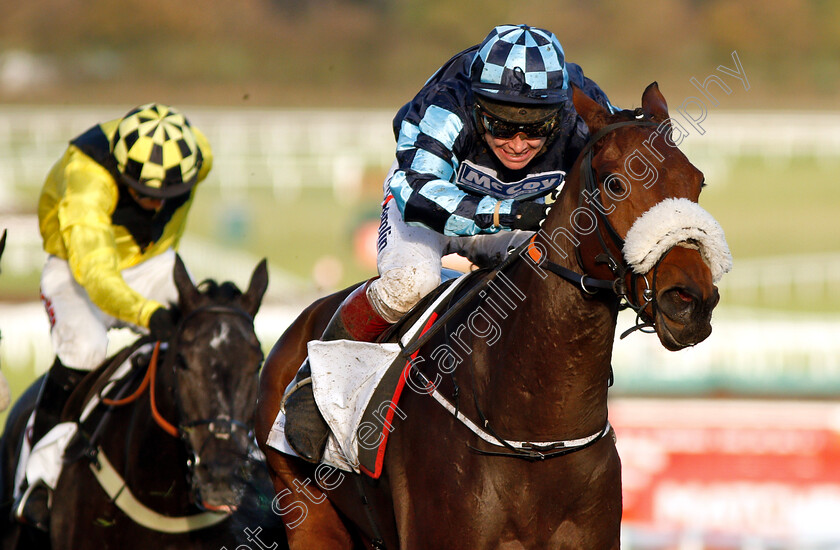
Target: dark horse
538, 388
179, 439
4, 386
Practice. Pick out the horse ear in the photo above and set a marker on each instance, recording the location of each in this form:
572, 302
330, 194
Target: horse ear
592, 113
654, 104
252, 299
187, 292
2, 242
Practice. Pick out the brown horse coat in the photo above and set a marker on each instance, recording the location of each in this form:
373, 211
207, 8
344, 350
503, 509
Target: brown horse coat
533, 368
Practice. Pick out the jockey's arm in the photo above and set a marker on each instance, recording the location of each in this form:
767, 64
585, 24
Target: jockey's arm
423, 185
85, 225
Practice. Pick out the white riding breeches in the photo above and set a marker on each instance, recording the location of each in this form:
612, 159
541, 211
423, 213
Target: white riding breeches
409, 257
79, 329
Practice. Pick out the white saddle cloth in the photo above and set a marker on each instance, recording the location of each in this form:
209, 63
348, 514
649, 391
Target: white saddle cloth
344, 376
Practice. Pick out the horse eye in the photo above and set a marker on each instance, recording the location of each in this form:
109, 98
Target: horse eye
613, 184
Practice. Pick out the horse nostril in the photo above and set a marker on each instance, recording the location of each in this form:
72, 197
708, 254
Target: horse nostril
678, 303
684, 296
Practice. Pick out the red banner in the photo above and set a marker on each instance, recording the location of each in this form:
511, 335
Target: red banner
760, 468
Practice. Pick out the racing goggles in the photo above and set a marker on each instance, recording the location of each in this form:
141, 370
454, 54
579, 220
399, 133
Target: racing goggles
506, 129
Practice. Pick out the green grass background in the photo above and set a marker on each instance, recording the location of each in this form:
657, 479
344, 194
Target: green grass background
766, 207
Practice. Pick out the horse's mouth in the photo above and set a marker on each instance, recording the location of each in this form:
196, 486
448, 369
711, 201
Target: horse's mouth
220, 488
668, 338
223, 500
683, 318
218, 508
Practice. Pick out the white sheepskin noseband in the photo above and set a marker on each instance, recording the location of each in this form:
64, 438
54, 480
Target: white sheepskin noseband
676, 222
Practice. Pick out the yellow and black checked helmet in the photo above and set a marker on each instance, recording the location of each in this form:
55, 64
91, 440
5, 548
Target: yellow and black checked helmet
156, 152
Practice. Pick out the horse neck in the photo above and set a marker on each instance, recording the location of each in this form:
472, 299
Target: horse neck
556, 344
152, 457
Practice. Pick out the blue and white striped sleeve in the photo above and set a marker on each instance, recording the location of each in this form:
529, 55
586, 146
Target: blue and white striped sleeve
423, 185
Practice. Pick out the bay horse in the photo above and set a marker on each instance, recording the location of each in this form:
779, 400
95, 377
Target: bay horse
527, 459
174, 451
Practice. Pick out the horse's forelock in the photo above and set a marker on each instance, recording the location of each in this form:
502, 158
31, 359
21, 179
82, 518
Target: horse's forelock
226, 291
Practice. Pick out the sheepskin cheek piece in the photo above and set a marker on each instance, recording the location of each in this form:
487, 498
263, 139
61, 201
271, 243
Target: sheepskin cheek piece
677, 222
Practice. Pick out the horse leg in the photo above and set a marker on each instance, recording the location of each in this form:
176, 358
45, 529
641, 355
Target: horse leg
13, 535
310, 518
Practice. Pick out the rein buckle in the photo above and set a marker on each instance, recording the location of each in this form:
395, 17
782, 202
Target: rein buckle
537, 448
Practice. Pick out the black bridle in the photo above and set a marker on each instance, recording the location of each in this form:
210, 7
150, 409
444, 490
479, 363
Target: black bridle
589, 285
589, 198
218, 427
222, 426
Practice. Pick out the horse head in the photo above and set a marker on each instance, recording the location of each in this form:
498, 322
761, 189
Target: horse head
217, 358
632, 195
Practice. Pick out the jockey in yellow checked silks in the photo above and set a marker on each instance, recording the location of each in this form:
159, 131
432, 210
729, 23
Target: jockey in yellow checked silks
111, 214
479, 148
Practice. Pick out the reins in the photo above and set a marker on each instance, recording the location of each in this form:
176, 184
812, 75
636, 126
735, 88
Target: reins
140, 389
148, 382
109, 478
589, 285
151, 376
617, 266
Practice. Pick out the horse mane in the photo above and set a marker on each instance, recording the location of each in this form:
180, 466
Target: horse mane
630, 114
225, 292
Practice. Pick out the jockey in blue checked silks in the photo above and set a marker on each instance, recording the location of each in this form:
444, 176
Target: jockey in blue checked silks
111, 214
482, 144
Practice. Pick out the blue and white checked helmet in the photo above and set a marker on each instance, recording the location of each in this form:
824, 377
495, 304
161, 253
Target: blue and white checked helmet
520, 64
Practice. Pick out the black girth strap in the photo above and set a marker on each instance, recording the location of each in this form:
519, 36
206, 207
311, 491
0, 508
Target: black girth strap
378, 543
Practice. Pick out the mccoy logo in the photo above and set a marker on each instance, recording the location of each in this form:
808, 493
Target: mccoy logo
477, 178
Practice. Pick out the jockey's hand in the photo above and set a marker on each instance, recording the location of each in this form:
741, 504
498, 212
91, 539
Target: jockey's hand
528, 216
162, 324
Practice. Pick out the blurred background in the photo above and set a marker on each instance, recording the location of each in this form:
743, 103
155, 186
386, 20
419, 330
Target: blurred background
732, 444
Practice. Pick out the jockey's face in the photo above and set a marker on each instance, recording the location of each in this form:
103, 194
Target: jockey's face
516, 152
145, 202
